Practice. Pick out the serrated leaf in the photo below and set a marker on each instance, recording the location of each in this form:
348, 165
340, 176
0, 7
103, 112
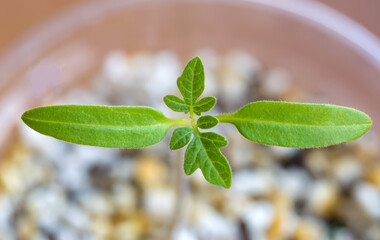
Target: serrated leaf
203, 152
207, 121
176, 104
181, 137
298, 125
191, 82
204, 105
118, 127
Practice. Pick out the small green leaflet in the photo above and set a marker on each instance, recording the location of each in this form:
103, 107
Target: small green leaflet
104, 126
191, 83
191, 86
176, 104
204, 105
298, 125
206, 122
181, 137
203, 152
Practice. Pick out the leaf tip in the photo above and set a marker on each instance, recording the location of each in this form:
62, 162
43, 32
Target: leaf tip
369, 119
197, 58
227, 185
24, 117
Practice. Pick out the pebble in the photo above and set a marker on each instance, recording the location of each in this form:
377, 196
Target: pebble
276, 83
46, 146
236, 204
101, 227
76, 217
318, 162
95, 203
7, 206
134, 228
159, 202
117, 68
373, 232
65, 233
283, 152
254, 182
346, 170
310, 229
373, 176
211, 60
198, 181
368, 196
124, 169
27, 228
259, 216
282, 206
184, 233
343, 234
73, 173
323, 198
241, 153
295, 182
150, 171
47, 205
166, 67
235, 72
11, 178
125, 198
212, 225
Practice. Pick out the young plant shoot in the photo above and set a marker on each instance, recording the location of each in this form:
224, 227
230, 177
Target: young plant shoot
298, 125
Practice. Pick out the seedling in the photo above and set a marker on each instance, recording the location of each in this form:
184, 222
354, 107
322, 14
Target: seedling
286, 124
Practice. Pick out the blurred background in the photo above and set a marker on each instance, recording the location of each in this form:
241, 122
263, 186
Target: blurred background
129, 52
17, 17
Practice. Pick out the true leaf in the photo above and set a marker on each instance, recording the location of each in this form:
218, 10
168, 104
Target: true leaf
298, 125
191, 82
203, 152
204, 105
207, 121
104, 126
176, 104
181, 137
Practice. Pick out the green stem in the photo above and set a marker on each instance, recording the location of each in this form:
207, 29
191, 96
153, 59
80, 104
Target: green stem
192, 120
180, 122
223, 117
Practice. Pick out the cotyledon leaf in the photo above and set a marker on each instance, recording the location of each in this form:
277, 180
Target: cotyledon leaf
206, 122
191, 82
299, 125
181, 136
203, 152
176, 104
204, 105
104, 126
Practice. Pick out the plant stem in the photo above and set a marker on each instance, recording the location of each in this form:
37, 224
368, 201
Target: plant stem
223, 118
180, 182
192, 120
181, 187
180, 122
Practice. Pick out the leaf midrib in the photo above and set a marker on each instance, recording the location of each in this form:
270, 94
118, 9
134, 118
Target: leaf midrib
288, 123
182, 137
192, 85
178, 103
98, 125
200, 140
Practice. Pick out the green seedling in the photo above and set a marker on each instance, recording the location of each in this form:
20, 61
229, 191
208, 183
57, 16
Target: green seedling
298, 125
